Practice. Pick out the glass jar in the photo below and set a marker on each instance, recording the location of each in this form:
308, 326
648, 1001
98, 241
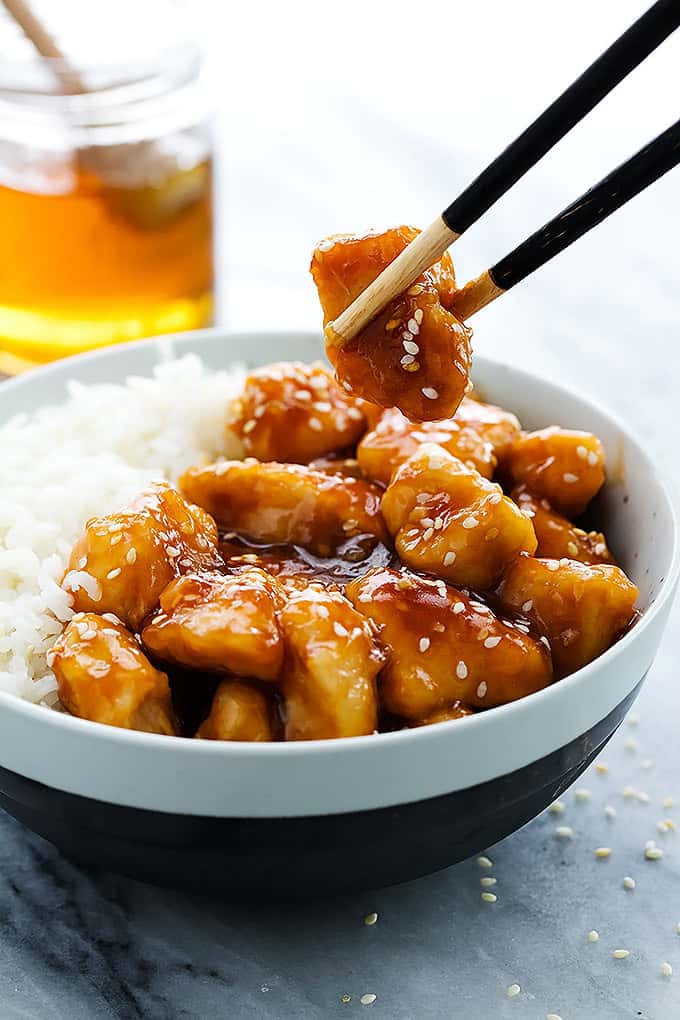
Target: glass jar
105, 204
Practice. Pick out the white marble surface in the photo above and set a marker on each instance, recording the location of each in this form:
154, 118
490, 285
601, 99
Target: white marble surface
340, 119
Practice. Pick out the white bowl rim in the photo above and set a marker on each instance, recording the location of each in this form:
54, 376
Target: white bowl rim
413, 738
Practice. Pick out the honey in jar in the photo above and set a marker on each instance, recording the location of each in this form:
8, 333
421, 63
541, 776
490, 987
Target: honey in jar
106, 212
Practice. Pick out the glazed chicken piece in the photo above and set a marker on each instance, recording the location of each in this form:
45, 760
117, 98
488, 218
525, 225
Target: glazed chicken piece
239, 712
492, 424
104, 676
415, 355
563, 466
328, 681
448, 520
286, 503
346, 467
557, 537
219, 623
293, 412
455, 711
125, 560
395, 438
445, 647
581, 608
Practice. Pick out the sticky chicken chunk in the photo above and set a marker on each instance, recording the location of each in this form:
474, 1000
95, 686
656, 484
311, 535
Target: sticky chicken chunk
557, 537
455, 711
563, 466
448, 520
125, 560
239, 712
292, 412
581, 608
445, 647
415, 355
286, 503
104, 676
492, 424
328, 681
220, 623
395, 438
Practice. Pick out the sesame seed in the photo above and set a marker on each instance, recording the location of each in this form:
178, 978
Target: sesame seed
667, 802
485, 862
412, 368
413, 326
527, 606
482, 689
666, 969
581, 452
654, 853
368, 999
315, 424
428, 533
371, 918
116, 539
449, 558
602, 768
82, 562
407, 360
430, 392
110, 617
406, 335
491, 642
410, 347
646, 763
621, 954
552, 565
172, 551
564, 832
470, 522
592, 458
650, 843
631, 744
438, 523
610, 811
489, 897
457, 607
628, 882
557, 807
512, 990
643, 797
487, 882
553, 1016
113, 528
424, 644
339, 629
131, 556
491, 534
427, 522
461, 670
593, 936
325, 245
346, 998
629, 792
495, 498
633, 719
569, 478
582, 794
603, 851
418, 315
414, 290
572, 548
249, 426
113, 573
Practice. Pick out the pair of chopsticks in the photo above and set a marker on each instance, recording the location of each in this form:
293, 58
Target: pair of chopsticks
613, 191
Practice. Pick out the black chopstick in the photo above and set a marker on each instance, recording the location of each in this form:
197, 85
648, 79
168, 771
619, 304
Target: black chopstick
613, 191
629, 50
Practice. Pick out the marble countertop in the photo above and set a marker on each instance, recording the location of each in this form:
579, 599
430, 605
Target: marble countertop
348, 152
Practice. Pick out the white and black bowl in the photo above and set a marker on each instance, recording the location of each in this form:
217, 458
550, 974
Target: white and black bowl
319, 817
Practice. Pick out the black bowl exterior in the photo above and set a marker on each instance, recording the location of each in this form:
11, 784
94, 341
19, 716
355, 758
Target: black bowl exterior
295, 858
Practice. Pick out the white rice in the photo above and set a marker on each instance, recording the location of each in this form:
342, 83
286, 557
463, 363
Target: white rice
61, 465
